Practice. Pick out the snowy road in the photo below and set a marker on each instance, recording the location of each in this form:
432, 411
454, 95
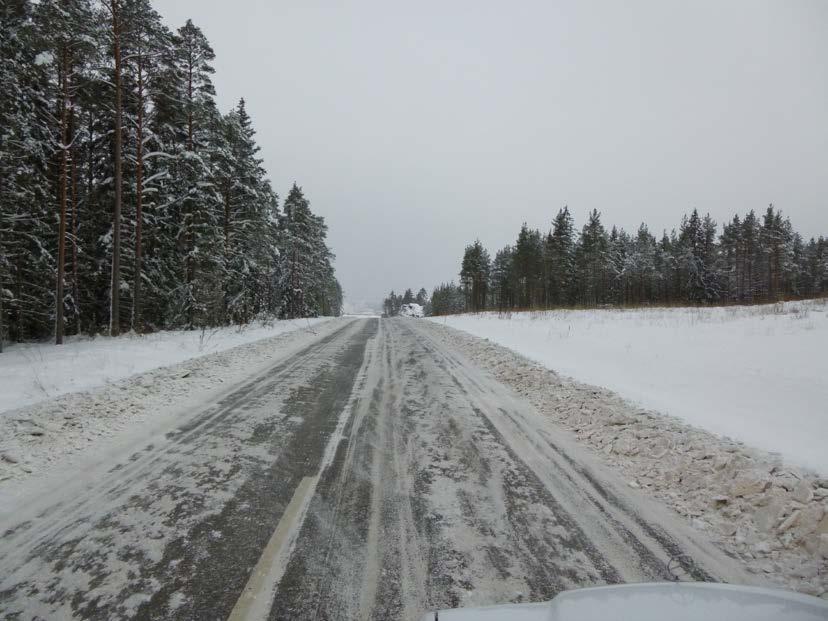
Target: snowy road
373, 475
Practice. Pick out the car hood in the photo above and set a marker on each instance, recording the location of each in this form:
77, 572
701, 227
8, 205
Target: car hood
672, 601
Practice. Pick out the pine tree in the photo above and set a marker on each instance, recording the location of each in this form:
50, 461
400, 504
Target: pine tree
591, 262
730, 245
751, 257
503, 279
697, 260
144, 41
528, 260
178, 222
640, 268
447, 299
618, 251
474, 276
248, 205
114, 7
188, 124
748, 262
306, 273
559, 255
67, 36
27, 259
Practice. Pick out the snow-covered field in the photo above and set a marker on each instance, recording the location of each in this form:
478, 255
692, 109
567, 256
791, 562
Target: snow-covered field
31, 373
758, 374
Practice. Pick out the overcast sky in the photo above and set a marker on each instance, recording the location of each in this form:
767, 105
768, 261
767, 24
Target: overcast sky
415, 127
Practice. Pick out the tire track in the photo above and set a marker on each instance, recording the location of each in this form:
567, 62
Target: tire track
175, 531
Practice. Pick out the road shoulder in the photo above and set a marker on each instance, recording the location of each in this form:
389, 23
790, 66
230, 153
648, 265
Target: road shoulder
770, 517
54, 440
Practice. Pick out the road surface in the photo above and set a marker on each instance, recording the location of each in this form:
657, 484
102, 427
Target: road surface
376, 474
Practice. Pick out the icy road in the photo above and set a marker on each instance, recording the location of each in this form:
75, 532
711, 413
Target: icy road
375, 474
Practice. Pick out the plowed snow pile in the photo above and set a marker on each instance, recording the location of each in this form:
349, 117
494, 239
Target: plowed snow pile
758, 374
30, 373
771, 515
37, 439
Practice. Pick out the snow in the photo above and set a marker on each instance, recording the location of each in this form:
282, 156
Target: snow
767, 514
411, 310
31, 373
44, 58
56, 435
758, 374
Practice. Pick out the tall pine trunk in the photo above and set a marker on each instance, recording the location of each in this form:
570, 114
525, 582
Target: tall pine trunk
226, 251
189, 238
139, 195
2, 316
64, 139
2, 273
73, 158
114, 312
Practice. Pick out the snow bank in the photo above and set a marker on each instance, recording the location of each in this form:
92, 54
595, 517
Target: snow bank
31, 373
757, 374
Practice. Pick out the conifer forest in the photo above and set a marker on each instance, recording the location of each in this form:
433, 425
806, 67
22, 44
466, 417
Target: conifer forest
754, 258
128, 201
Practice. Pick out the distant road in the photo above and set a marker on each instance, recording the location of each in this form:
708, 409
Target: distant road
376, 474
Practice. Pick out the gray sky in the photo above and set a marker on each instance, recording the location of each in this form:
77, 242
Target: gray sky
415, 127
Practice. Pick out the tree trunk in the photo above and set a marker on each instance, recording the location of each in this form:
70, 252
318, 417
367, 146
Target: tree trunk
226, 222
189, 238
139, 195
64, 139
74, 203
190, 145
114, 309
2, 323
2, 317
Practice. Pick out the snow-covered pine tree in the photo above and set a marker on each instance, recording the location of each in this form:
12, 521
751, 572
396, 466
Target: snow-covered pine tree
305, 271
447, 298
66, 40
618, 251
502, 279
474, 276
528, 266
591, 262
189, 128
698, 258
639, 270
816, 267
114, 7
27, 256
332, 298
730, 253
751, 257
249, 234
58, 240
559, 253
144, 40
748, 262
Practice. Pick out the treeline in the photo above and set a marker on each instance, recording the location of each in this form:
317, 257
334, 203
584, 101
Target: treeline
392, 304
127, 200
754, 259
